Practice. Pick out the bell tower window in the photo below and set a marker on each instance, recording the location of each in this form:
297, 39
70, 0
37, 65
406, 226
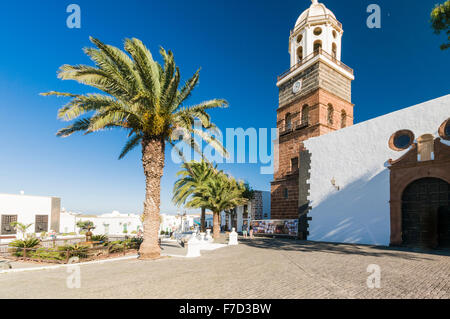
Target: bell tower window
343, 119
294, 164
334, 51
305, 114
299, 54
334, 34
288, 121
317, 46
330, 114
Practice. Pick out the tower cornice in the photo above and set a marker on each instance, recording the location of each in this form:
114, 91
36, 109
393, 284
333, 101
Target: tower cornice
321, 56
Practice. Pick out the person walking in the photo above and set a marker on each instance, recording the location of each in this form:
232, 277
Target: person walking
251, 232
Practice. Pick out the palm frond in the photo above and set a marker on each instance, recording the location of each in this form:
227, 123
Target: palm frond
145, 65
78, 126
131, 144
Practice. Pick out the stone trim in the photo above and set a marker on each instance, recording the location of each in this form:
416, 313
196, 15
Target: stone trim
442, 130
304, 191
401, 132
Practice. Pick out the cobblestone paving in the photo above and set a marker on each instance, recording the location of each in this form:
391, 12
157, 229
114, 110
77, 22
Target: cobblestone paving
262, 268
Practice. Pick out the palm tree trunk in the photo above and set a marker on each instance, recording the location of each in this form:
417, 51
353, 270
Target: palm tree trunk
153, 163
216, 225
203, 220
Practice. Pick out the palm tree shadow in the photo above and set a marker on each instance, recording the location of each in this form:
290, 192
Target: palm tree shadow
344, 249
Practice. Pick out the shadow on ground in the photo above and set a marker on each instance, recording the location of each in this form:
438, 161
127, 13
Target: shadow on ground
346, 249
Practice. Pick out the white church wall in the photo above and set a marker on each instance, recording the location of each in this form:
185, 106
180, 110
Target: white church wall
356, 158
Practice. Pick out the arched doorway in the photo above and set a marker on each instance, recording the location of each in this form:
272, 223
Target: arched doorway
426, 213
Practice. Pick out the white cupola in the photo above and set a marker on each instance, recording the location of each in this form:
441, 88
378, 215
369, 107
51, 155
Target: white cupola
316, 31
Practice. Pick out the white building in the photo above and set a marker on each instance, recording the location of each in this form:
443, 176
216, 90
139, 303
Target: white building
350, 195
169, 223
107, 224
241, 217
40, 211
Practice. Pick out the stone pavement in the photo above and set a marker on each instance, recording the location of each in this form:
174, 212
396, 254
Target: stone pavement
261, 268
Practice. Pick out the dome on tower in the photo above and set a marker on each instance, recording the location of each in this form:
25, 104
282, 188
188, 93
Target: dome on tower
315, 10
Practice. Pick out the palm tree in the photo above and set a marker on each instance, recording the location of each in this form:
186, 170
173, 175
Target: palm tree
218, 193
21, 228
192, 176
144, 98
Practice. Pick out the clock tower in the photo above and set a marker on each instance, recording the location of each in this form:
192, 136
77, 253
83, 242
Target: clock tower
314, 99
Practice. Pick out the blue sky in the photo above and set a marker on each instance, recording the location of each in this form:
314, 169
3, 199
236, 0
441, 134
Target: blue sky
241, 47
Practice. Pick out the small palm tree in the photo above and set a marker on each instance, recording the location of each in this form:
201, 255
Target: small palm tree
219, 193
21, 228
144, 98
192, 176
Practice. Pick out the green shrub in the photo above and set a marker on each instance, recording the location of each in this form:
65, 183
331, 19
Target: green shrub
100, 238
116, 246
42, 253
77, 250
130, 243
135, 242
19, 245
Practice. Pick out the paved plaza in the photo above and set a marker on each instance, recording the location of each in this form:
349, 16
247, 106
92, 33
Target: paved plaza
261, 268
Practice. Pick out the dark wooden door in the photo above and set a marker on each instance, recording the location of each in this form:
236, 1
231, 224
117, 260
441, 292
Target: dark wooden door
444, 226
422, 202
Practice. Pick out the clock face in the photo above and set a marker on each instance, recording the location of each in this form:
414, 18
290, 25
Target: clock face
297, 86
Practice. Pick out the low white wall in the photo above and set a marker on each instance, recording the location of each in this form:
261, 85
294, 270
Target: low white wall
356, 157
68, 223
111, 224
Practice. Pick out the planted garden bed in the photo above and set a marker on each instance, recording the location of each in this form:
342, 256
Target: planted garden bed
32, 250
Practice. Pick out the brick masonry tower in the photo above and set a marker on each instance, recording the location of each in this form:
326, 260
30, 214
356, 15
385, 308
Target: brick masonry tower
314, 99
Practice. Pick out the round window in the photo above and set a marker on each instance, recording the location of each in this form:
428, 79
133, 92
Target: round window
299, 38
317, 31
444, 130
401, 140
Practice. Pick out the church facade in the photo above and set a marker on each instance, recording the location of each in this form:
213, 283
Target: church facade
345, 182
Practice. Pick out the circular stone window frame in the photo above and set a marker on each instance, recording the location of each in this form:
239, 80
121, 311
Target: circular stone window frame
397, 134
317, 31
442, 130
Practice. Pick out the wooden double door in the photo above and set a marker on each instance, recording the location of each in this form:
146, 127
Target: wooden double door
426, 214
